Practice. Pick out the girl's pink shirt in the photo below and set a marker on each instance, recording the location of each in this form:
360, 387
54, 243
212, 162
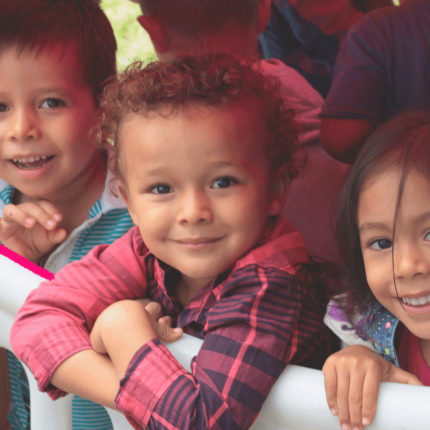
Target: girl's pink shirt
411, 357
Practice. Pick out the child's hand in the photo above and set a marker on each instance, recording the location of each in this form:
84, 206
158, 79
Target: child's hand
123, 327
31, 229
162, 324
352, 377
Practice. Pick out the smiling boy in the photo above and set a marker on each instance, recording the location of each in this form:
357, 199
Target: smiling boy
55, 200
201, 148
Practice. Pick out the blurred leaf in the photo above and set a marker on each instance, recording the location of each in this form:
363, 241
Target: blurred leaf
133, 41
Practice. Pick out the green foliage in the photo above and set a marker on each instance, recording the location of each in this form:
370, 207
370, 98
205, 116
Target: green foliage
133, 41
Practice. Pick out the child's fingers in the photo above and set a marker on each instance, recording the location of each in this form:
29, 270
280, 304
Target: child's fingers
144, 302
168, 333
395, 374
362, 384
45, 213
371, 386
29, 213
154, 309
330, 385
57, 236
52, 213
342, 397
165, 331
166, 319
13, 214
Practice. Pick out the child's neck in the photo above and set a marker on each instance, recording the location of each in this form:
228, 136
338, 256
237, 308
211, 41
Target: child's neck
75, 202
186, 288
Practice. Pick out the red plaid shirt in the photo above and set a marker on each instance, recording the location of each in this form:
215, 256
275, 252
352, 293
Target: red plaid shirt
254, 321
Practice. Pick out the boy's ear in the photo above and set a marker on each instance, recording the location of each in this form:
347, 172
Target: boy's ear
156, 32
124, 195
279, 185
263, 15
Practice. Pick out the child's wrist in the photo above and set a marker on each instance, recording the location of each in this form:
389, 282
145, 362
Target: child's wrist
123, 353
124, 328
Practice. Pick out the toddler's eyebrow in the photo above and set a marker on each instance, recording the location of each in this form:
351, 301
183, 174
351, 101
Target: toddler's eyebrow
372, 226
423, 217
57, 90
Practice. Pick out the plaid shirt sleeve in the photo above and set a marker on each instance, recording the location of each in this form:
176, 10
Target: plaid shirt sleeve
57, 317
258, 324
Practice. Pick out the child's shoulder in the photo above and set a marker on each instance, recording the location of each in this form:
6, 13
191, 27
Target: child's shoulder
7, 192
381, 328
375, 328
282, 248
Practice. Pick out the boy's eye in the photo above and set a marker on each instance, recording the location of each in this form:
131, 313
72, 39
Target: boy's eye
380, 244
4, 107
161, 189
224, 182
427, 236
52, 103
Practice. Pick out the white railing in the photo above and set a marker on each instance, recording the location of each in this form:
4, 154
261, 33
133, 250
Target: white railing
296, 402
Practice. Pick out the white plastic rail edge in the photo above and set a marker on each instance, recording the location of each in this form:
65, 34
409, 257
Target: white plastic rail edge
296, 402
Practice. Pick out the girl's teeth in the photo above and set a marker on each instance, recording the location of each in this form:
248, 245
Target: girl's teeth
421, 301
31, 162
29, 159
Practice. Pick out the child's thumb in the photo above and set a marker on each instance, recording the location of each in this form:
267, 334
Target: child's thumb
396, 374
171, 334
57, 236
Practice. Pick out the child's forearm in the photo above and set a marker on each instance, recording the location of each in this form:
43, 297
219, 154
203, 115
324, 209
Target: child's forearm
120, 330
89, 375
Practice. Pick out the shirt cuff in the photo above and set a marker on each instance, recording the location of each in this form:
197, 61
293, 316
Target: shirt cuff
150, 372
44, 358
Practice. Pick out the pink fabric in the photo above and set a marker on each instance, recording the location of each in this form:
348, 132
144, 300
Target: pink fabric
254, 320
411, 357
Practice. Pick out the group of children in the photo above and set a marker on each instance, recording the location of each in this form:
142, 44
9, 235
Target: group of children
198, 152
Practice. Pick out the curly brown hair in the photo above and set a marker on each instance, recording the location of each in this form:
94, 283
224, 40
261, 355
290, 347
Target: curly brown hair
214, 81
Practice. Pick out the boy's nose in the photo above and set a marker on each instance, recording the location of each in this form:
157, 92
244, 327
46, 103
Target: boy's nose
411, 260
195, 208
23, 126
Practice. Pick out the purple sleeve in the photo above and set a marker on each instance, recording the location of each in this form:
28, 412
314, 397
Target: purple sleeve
359, 78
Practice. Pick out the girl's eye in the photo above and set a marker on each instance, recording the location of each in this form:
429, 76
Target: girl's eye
380, 244
161, 189
52, 103
3, 107
427, 236
224, 182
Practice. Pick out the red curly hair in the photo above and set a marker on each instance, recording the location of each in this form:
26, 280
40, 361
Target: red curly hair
215, 81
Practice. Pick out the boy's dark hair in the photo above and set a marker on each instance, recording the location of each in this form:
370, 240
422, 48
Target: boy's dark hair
193, 18
212, 81
35, 24
403, 142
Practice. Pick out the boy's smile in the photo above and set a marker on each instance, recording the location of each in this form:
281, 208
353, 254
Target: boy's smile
198, 186
378, 198
46, 114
